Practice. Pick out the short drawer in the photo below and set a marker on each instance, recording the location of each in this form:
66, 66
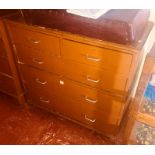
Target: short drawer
4, 66
37, 43
116, 61
40, 97
95, 77
51, 64
40, 80
7, 85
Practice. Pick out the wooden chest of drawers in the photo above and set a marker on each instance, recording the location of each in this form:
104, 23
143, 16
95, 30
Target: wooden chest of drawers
86, 80
9, 78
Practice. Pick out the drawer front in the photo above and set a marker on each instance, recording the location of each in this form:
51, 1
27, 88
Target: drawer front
40, 80
89, 97
88, 113
51, 64
95, 77
43, 44
4, 66
7, 85
40, 97
118, 62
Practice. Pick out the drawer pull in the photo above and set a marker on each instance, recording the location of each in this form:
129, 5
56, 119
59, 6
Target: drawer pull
61, 82
33, 40
90, 100
40, 82
90, 120
19, 62
37, 61
93, 58
44, 101
92, 80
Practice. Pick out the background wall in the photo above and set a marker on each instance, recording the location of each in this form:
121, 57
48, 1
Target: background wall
147, 47
152, 15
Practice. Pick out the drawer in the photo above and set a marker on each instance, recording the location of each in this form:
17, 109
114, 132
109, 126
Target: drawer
4, 66
48, 63
95, 77
7, 85
40, 80
86, 113
40, 97
43, 44
2, 49
90, 99
118, 62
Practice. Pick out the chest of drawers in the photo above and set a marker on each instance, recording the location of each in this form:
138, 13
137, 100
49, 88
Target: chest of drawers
83, 79
9, 78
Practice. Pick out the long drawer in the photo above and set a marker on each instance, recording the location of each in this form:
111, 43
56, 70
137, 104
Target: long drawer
4, 66
95, 77
115, 61
7, 85
44, 45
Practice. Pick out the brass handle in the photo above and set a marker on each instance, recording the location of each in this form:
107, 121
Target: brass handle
40, 82
92, 80
93, 58
61, 82
19, 62
33, 40
45, 101
37, 61
90, 120
90, 100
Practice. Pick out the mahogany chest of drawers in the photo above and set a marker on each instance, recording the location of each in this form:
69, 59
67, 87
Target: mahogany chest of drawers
86, 80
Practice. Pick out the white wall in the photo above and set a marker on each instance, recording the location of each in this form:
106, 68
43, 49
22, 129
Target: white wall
152, 15
147, 47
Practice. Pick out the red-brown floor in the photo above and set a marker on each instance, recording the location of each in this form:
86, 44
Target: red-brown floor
31, 125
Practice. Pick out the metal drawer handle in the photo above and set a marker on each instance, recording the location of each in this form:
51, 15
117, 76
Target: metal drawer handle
45, 101
19, 62
37, 61
93, 58
90, 120
40, 82
33, 40
91, 80
90, 100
